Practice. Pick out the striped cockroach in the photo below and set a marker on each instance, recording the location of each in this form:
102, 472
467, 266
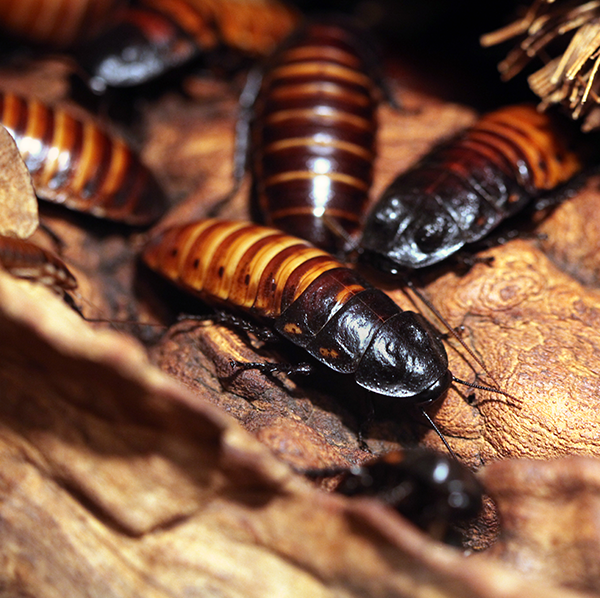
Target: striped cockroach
465, 188
74, 163
312, 134
56, 23
311, 299
23, 259
152, 37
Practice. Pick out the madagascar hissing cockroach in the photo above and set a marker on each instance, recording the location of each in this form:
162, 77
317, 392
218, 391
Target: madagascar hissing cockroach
313, 132
74, 163
23, 259
56, 23
310, 298
151, 37
430, 489
463, 189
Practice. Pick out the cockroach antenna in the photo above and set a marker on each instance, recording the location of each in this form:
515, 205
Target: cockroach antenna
486, 389
438, 432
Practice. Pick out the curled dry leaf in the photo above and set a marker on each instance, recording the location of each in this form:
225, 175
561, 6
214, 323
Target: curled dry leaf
549, 514
18, 203
117, 482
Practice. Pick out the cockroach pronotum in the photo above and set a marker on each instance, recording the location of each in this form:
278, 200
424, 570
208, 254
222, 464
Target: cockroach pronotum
73, 162
313, 132
152, 37
465, 188
23, 259
428, 488
56, 23
311, 299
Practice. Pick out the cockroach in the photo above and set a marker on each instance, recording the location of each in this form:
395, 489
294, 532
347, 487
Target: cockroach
465, 188
74, 163
313, 132
56, 23
430, 489
311, 299
23, 259
152, 37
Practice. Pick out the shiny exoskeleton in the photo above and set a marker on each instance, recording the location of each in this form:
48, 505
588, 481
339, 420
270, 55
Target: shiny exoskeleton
56, 23
465, 188
151, 37
309, 298
313, 133
74, 163
430, 489
23, 259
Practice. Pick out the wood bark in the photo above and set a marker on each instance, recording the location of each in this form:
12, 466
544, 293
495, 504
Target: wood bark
150, 469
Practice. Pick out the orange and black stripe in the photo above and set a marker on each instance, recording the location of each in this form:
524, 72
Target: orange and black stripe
152, 37
310, 298
24, 259
256, 269
313, 134
56, 23
73, 162
466, 187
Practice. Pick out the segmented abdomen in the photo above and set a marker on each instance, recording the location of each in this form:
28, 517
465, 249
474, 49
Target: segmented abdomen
24, 259
257, 269
314, 135
59, 23
73, 162
252, 27
526, 145
466, 187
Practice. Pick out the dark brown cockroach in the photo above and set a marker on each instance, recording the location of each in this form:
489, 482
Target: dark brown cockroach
74, 163
152, 37
311, 299
465, 188
430, 489
56, 23
23, 259
313, 133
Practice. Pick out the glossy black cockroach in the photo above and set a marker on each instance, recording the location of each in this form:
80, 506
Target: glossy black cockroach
465, 188
309, 298
152, 37
74, 163
56, 23
23, 259
312, 134
430, 489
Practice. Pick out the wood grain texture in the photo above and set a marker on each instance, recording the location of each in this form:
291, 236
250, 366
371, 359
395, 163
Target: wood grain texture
145, 484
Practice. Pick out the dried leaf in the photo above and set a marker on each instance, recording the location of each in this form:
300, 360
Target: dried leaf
18, 203
142, 488
549, 513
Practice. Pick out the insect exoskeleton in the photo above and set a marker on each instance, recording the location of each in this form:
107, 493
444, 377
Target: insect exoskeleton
465, 188
152, 37
56, 23
23, 259
431, 489
75, 163
313, 133
309, 298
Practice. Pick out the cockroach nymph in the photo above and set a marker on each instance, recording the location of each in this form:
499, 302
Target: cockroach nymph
430, 489
57, 23
23, 259
465, 188
313, 132
74, 163
152, 37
